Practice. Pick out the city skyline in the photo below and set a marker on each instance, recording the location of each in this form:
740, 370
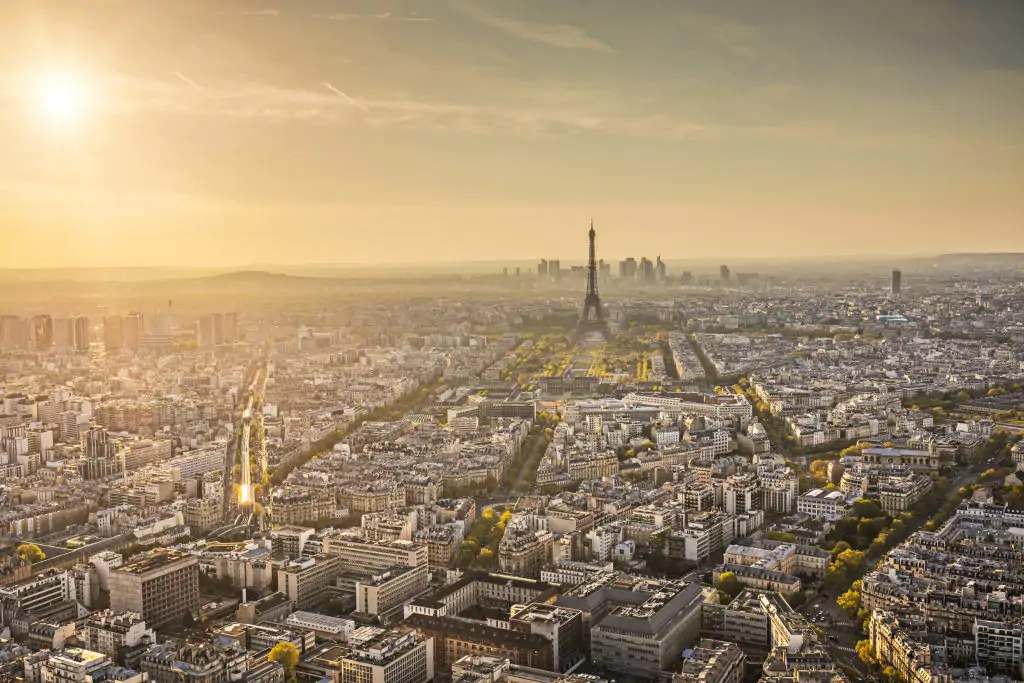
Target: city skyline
230, 133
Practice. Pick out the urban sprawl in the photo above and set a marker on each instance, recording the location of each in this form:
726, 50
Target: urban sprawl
582, 475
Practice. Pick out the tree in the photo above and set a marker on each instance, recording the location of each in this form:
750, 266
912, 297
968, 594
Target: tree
819, 469
850, 601
862, 507
851, 560
728, 584
781, 536
30, 552
840, 547
866, 652
287, 655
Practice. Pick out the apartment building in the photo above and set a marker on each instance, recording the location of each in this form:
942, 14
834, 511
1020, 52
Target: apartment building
398, 655
360, 556
442, 543
455, 638
107, 632
898, 494
742, 493
202, 514
645, 639
305, 582
162, 586
827, 505
386, 592
523, 551
712, 661
705, 534
561, 626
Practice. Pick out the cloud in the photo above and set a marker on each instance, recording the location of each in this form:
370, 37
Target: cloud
384, 16
388, 16
557, 35
339, 93
185, 79
734, 36
526, 114
265, 12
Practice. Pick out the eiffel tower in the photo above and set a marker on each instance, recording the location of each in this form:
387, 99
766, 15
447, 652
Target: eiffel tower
592, 318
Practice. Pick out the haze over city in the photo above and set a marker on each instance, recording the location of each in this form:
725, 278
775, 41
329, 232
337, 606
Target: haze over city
231, 132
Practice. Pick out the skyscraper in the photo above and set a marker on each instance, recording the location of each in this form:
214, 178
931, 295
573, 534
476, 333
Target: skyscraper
64, 333
132, 330
80, 333
14, 333
627, 269
725, 273
218, 329
231, 326
206, 330
646, 272
113, 331
42, 332
896, 284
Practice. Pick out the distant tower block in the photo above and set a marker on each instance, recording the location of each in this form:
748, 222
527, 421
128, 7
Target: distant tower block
592, 319
896, 284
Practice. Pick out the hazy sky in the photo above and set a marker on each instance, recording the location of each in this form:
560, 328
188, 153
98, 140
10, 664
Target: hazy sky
223, 132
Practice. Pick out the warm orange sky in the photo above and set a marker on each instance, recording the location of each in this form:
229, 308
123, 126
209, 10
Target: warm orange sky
230, 132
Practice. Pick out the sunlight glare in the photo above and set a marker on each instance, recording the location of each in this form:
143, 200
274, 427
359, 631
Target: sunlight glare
60, 98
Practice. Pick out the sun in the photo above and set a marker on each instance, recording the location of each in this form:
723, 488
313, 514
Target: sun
61, 98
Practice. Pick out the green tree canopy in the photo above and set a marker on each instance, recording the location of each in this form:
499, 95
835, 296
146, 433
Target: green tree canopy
866, 652
30, 552
287, 655
728, 584
850, 601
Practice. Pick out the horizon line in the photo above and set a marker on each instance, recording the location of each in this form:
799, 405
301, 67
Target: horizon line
263, 266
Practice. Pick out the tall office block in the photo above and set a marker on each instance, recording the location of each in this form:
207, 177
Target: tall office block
132, 330
113, 331
161, 585
81, 333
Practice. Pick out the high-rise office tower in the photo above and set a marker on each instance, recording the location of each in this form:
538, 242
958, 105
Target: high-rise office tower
231, 325
64, 333
81, 333
627, 269
896, 284
132, 330
14, 333
205, 332
113, 331
42, 332
660, 271
725, 273
218, 329
646, 272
